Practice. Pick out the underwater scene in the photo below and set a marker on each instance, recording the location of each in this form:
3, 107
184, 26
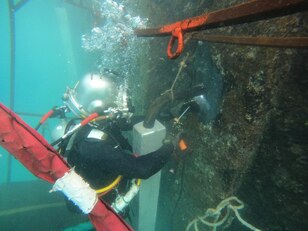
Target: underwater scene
153, 115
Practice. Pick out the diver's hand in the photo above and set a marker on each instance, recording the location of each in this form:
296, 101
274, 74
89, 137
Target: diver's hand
170, 139
176, 140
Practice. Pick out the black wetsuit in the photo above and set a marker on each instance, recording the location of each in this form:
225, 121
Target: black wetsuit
99, 162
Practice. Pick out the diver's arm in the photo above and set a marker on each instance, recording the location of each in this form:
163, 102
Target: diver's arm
118, 162
149, 164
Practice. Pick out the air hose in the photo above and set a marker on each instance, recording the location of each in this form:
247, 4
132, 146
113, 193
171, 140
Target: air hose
54, 112
74, 129
44, 118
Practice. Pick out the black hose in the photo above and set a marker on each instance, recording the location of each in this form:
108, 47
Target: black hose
67, 128
38, 126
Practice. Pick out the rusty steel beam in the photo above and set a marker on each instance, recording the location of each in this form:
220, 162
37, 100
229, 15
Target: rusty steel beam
284, 42
227, 15
253, 10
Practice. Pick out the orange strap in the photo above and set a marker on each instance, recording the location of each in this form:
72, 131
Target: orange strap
177, 34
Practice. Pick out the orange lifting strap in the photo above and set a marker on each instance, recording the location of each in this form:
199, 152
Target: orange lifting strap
231, 14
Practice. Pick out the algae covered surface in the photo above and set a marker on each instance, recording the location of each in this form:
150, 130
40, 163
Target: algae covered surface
255, 145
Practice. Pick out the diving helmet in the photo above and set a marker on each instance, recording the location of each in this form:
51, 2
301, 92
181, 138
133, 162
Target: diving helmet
96, 93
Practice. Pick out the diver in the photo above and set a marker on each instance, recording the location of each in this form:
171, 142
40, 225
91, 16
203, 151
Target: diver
98, 151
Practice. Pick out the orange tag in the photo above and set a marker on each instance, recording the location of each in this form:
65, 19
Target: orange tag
182, 145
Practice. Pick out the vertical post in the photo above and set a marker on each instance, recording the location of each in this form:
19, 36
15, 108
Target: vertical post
146, 140
12, 75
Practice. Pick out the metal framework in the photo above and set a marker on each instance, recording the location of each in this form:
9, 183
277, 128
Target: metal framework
241, 13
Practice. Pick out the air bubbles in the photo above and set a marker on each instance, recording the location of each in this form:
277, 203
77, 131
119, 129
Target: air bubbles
113, 38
